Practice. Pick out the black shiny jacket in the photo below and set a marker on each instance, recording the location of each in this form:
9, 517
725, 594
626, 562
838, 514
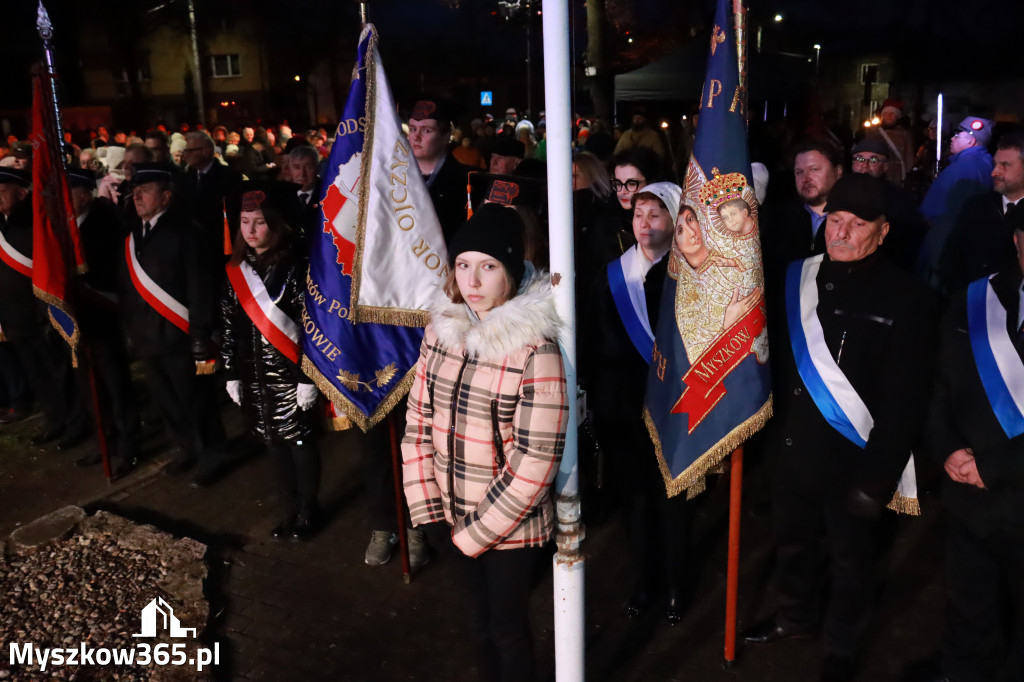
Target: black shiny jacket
268, 379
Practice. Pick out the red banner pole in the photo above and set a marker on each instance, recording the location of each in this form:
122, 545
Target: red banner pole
396, 469
733, 569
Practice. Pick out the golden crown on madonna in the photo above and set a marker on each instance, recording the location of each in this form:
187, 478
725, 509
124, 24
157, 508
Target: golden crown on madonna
722, 188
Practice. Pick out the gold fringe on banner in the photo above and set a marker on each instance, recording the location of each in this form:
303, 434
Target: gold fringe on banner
910, 506
393, 316
75, 337
343, 404
693, 476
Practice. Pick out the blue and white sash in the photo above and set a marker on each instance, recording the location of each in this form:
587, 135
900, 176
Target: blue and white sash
832, 393
627, 285
999, 366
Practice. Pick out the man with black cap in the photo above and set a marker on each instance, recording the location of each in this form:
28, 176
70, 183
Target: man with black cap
168, 308
102, 233
906, 225
976, 434
430, 127
982, 238
852, 357
42, 353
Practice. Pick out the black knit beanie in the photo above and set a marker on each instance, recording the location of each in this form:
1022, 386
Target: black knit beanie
497, 231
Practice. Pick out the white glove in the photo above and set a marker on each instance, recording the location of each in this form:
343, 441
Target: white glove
305, 395
235, 391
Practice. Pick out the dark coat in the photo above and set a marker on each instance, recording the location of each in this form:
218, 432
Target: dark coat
268, 379
205, 203
449, 195
22, 315
786, 236
171, 257
981, 243
961, 417
102, 235
884, 321
611, 368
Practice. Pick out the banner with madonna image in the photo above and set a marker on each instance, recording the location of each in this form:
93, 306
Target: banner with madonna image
379, 260
709, 387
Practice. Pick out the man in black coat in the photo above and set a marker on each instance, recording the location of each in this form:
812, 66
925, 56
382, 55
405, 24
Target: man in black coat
794, 230
430, 127
102, 233
208, 184
43, 355
305, 163
982, 456
982, 239
170, 275
870, 338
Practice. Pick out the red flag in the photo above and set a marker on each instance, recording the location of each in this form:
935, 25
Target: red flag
56, 250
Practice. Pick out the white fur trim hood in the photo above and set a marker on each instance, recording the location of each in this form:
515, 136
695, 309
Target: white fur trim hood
529, 318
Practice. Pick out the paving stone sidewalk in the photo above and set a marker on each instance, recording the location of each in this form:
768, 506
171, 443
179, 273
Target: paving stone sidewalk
314, 611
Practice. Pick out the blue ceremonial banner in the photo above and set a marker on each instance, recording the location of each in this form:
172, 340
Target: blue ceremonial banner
379, 260
709, 386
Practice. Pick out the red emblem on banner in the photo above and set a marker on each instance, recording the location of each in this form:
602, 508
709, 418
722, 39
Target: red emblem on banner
704, 378
333, 204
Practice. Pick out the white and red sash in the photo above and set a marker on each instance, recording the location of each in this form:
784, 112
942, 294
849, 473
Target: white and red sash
277, 328
161, 301
16, 260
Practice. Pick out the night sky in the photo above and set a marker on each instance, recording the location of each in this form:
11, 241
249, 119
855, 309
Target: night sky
430, 43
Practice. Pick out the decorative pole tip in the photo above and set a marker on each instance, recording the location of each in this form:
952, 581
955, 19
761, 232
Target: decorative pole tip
43, 22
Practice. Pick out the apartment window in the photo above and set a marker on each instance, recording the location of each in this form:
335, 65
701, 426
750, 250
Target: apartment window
225, 66
869, 73
143, 73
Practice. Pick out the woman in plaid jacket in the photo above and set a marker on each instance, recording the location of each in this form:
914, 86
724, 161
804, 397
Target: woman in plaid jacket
486, 428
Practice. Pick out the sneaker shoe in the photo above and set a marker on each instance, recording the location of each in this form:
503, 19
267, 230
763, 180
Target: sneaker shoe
419, 552
378, 552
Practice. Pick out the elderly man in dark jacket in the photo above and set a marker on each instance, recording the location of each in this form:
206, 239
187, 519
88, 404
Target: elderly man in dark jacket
168, 308
976, 434
852, 359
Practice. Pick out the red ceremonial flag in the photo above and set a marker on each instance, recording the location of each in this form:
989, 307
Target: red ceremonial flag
56, 249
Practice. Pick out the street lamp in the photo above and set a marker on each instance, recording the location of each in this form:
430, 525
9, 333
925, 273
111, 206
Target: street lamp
817, 58
778, 18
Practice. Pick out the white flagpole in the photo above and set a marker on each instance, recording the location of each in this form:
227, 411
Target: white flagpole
568, 561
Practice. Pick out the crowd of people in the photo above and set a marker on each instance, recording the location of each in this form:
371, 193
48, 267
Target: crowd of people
861, 255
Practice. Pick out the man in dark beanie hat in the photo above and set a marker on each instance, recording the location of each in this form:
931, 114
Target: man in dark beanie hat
852, 355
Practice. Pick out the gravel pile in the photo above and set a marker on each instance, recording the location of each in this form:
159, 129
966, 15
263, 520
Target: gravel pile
91, 588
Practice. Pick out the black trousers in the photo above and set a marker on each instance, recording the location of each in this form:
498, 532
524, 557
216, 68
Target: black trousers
13, 385
377, 472
984, 583
658, 527
807, 508
46, 361
496, 593
297, 473
119, 403
188, 406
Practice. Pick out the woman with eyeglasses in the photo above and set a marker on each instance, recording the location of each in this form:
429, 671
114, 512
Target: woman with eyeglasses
630, 169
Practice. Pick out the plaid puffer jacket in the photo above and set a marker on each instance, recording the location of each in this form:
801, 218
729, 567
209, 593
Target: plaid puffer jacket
486, 422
